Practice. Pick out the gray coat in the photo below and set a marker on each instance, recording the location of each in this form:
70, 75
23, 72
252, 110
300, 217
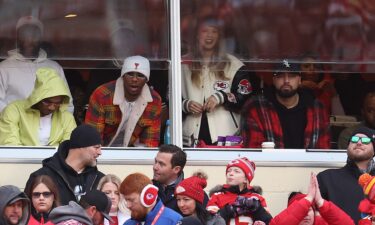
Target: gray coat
216, 220
67, 212
10, 194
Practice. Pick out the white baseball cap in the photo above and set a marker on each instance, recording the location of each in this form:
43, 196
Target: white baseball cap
136, 64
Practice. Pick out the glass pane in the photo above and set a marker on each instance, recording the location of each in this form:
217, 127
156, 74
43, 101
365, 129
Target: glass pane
86, 41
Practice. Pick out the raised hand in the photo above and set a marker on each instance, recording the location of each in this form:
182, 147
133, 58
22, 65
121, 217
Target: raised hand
319, 201
311, 190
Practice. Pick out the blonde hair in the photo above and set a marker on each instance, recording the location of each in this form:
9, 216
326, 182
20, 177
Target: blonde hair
111, 178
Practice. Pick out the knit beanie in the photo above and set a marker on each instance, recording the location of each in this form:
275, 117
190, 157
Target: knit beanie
136, 64
366, 131
247, 166
84, 136
367, 183
193, 187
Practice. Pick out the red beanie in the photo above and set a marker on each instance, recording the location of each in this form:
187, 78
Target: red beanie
247, 166
193, 187
368, 184
296, 197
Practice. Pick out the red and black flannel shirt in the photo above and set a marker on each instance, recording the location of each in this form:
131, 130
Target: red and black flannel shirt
261, 123
106, 117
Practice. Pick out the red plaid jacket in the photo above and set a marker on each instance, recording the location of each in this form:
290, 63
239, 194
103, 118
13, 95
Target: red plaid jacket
261, 123
106, 117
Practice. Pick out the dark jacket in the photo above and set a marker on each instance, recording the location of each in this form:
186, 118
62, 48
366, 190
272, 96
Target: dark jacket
341, 187
166, 194
64, 175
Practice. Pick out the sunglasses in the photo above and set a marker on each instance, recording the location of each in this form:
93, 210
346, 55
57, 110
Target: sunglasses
364, 140
45, 194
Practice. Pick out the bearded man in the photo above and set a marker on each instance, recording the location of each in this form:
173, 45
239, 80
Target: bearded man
286, 115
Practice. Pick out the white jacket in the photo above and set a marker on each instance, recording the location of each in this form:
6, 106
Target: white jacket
17, 76
220, 120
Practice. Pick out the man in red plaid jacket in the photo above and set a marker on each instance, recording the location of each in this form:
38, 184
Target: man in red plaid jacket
286, 115
126, 112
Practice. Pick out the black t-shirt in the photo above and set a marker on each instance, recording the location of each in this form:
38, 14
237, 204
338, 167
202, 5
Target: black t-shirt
293, 122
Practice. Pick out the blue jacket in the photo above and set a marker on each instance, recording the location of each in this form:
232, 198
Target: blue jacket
167, 217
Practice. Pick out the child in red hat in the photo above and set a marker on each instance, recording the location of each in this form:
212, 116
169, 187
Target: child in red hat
237, 202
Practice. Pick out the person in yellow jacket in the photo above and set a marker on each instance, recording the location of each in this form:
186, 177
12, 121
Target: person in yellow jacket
41, 119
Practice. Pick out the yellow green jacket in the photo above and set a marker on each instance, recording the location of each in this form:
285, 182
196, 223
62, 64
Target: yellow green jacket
19, 123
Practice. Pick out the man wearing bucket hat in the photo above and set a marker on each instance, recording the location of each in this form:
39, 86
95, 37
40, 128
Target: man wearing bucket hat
286, 115
14, 206
22, 63
341, 185
126, 112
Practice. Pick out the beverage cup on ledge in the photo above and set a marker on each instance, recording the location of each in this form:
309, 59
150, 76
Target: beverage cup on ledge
268, 145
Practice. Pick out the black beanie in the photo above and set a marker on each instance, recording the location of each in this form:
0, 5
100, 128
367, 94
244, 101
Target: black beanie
366, 131
84, 136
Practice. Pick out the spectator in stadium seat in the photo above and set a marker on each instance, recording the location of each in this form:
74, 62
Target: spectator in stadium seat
110, 185
190, 197
168, 171
96, 206
237, 202
311, 209
286, 115
215, 85
44, 197
14, 206
146, 208
42, 118
73, 166
367, 205
17, 72
368, 115
126, 112
340, 186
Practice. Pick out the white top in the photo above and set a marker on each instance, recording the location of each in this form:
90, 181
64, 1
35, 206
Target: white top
45, 125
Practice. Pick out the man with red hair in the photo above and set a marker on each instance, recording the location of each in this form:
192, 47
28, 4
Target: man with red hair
141, 197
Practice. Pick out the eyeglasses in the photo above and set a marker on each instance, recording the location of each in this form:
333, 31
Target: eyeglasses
136, 75
48, 103
364, 140
45, 194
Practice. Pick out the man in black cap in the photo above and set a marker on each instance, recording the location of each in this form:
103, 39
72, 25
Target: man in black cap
93, 207
341, 185
286, 115
73, 166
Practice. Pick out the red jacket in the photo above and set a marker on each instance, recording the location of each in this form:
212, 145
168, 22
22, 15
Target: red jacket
294, 214
219, 199
33, 221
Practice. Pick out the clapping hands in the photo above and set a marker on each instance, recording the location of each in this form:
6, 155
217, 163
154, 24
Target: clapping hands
313, 192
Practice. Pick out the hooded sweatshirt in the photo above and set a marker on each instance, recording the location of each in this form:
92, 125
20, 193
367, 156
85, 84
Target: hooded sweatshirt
71, 185
73, 211
20, 123
10, 194
17, 76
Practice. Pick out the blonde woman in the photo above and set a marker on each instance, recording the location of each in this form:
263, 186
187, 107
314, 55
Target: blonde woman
110, 184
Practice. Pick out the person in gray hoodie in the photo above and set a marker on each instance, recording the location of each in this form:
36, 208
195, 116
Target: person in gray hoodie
72, 214
14, 206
